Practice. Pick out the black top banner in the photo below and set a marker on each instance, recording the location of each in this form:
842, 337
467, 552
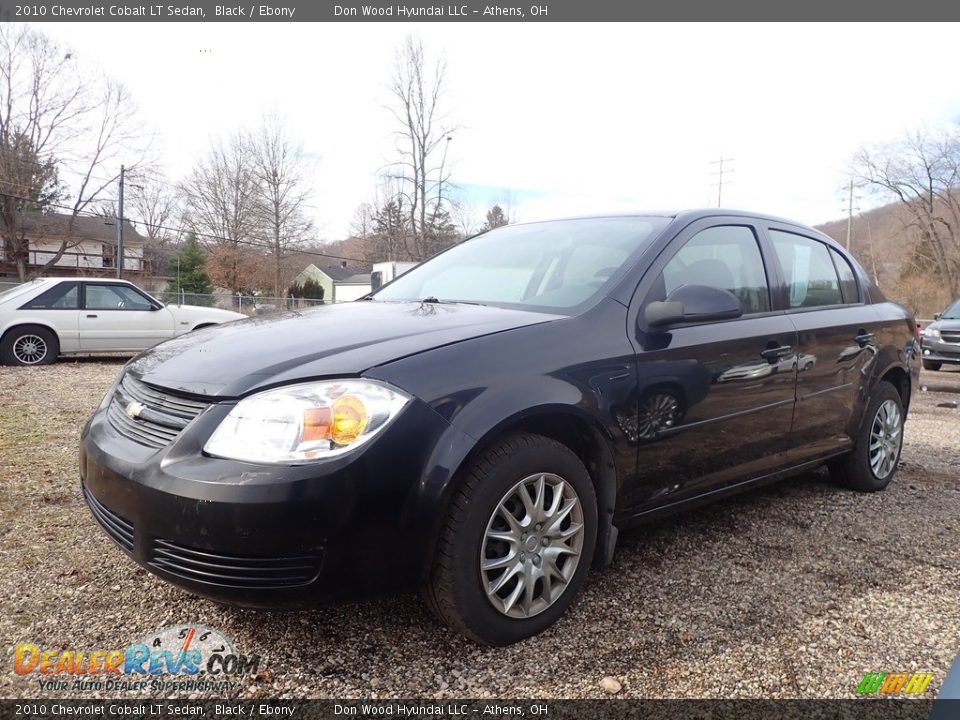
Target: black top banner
521, 11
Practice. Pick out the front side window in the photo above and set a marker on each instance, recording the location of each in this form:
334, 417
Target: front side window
725, 257
62, 296
811, 278
114, 297
555, 265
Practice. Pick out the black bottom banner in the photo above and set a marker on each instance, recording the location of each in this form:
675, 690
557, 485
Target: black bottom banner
483, 709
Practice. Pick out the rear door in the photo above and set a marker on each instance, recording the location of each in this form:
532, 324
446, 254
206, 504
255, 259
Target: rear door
118, 317
836, 340
715, 400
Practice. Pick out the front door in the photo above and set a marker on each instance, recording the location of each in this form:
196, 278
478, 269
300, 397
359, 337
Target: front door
117, 317
715, 399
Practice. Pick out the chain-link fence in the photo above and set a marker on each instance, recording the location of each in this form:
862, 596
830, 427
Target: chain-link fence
247, 304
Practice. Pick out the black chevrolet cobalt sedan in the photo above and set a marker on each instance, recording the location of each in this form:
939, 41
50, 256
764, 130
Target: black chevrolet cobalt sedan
483, 426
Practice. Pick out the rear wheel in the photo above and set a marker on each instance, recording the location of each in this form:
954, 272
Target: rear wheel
931, 365
871, 465
29, 345
517, 541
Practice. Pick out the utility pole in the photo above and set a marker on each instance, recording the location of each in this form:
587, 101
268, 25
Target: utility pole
119, 258
850, 215
719, 175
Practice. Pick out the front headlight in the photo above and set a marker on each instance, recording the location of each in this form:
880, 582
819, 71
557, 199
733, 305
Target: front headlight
310, 421
931, 332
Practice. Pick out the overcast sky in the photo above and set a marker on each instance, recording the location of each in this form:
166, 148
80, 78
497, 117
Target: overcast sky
564, 118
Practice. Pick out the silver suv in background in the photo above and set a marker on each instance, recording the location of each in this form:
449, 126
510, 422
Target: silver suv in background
941, 339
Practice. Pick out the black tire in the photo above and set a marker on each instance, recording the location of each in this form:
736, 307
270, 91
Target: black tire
45, 340
854, 470
931, 365
455, 591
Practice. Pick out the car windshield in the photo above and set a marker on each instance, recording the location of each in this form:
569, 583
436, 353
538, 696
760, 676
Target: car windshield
20, 289
952, 312
556, 265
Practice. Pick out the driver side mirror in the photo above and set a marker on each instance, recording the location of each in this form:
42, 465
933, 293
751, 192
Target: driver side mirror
692, 303
936, 316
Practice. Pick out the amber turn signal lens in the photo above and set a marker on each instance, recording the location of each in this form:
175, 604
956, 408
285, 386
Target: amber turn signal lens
316, 424
349, 419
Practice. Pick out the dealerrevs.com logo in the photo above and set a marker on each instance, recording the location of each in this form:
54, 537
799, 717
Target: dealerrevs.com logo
904, 683
177, 657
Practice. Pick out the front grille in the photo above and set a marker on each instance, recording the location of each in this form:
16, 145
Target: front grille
950, 337
119, 529
161, 415
233, 571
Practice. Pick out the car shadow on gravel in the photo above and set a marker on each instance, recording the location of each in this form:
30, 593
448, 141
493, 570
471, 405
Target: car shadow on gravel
741, 571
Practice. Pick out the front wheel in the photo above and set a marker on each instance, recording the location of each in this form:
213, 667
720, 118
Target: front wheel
517, 542
872, 463
932, 365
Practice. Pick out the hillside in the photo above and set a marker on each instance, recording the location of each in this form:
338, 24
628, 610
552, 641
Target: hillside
884, 244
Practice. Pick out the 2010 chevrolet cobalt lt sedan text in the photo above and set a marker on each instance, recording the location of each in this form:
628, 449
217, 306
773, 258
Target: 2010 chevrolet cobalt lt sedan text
483, 425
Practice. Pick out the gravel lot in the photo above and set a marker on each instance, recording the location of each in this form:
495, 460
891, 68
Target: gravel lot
795, 590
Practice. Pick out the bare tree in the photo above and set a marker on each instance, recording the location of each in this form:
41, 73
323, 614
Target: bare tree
464, 216
422, 171
53, 119
155, 204
281, 195
922, 171
221, 206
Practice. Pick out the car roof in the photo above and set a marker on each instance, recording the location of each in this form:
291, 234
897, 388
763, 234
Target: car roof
693, 214
689, 215
78, 278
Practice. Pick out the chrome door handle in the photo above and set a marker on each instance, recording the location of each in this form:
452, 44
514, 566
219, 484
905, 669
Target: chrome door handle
863, 338
776, 353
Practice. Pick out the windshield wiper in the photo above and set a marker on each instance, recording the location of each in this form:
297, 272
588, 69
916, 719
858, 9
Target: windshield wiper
438, 301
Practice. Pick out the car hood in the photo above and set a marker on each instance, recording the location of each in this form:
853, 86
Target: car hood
199, 312
332, 340
941, 325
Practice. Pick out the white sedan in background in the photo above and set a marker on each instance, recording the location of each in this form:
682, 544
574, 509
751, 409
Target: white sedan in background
47, 317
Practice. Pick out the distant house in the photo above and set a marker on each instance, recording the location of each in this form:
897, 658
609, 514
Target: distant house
340, 283
91, 245
384, 272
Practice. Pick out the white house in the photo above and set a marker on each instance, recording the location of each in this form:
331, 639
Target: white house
91, 243
384, 272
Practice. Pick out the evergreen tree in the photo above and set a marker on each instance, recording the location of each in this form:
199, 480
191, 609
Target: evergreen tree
189, 271
309, 289
495, 218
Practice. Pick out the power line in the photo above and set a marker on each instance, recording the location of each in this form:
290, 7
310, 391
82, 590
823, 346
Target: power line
719, 175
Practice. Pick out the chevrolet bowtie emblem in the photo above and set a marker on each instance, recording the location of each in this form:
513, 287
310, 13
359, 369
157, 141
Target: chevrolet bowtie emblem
134, 409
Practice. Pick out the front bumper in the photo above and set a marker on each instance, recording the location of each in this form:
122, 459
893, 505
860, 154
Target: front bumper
935, 350
268, 536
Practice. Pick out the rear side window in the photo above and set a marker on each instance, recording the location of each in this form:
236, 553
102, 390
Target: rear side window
811, 277
725, 257
62, 296
848, 281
